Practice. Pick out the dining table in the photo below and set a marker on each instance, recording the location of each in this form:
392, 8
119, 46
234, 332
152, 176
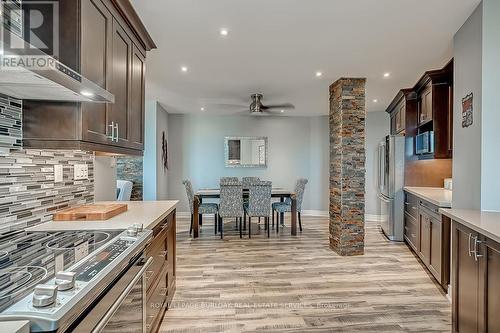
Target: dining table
214, 193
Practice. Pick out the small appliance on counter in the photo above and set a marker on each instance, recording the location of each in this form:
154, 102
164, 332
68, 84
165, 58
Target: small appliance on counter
56, 279
448, 183
391, 157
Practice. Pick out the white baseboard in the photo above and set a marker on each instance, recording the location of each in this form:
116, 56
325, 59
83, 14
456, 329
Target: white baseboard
373, 217
320, 213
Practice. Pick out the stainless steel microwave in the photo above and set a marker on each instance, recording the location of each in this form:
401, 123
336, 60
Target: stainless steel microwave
425, 143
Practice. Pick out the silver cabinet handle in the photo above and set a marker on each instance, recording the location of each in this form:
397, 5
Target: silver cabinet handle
470, 251
121, 298
476, 254
117, 132
112, 136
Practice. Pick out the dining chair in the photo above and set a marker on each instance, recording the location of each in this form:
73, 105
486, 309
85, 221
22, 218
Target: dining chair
229, 180
259, 204
203, 208
284, 207
231, 204
247, 181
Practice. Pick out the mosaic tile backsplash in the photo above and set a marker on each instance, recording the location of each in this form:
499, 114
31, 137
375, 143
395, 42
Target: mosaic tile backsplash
130, 168
28, 193
11, 134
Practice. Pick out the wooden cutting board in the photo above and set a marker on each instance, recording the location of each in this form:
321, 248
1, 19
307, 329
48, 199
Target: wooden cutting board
93, 212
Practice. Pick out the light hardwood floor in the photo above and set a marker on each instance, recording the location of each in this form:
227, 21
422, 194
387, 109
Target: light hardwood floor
297, 284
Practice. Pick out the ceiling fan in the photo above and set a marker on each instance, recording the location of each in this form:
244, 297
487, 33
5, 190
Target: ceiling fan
257, 108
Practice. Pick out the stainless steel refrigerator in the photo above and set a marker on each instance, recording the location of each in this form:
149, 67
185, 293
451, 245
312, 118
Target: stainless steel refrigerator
391, 159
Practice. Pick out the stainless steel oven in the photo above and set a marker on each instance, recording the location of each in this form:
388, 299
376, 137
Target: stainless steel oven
123, 307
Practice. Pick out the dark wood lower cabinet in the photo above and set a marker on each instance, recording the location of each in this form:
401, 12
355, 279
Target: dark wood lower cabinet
429, 236
476, 282
160, 278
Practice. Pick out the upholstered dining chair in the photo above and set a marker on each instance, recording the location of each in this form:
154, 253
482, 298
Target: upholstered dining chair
284, 207
259, 204
203, 208
247, 181
229, 180
231, 203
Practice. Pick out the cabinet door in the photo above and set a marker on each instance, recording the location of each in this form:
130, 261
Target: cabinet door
393, 124
425, 104
137, 105
96, 35
435, 242
425, 237
489, 305
171, 246
402, 117
120, 86
465, 286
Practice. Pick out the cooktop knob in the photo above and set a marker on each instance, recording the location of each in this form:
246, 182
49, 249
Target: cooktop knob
44, 295
65, 280
132, 232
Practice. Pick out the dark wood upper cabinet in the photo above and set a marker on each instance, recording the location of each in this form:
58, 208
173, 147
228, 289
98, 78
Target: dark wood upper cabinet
428, 106
138, 101
96, 40
435, 110
106, 42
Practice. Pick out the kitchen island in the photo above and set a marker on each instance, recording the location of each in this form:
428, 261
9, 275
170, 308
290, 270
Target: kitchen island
147, 213
159, 218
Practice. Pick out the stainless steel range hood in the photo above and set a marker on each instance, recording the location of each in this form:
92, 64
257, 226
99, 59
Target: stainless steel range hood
28, 73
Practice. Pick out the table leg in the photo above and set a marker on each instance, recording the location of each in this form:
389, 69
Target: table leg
294, 216
195, 217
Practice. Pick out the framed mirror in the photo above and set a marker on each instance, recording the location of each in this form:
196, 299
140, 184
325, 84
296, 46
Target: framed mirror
245, 152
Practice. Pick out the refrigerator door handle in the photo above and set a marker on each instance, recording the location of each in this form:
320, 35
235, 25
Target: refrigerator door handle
384, 199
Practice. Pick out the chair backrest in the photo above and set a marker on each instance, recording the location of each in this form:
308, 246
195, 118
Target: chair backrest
259, 199
247, 181
190, 194
231, 199
299, 192
225, 180
124, 190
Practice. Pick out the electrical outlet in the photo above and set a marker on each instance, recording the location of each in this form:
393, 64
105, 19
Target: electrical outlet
58, 173
81, 171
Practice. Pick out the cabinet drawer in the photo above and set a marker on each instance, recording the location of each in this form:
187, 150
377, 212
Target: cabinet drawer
411, 231
433, 210
411, 205
158, 251
155, 304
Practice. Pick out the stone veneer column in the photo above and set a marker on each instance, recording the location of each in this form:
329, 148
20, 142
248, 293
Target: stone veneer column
347, 166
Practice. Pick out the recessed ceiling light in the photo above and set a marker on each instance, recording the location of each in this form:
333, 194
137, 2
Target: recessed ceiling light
282, 111
319, 74
184, 69
87, 93
375, 101
224, 32
202, 109
387, 74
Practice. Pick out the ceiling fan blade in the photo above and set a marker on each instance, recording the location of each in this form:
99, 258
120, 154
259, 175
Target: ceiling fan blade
227, 105
278, 106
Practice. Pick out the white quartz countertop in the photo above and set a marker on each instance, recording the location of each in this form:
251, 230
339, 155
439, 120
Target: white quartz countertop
149, 213
21, 326
436, 195
485, 223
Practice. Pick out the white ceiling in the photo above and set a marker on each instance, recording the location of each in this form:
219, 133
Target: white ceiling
276, 47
